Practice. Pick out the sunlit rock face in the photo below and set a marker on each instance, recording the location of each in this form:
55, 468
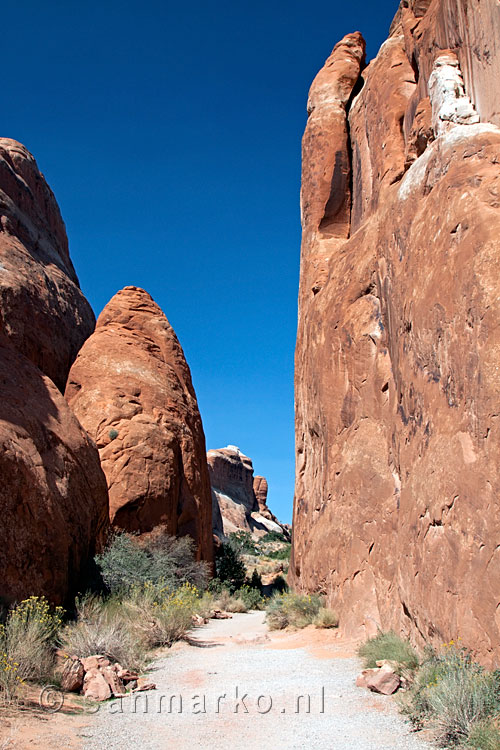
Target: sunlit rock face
239, 499
396, 514
131, 389
43, 312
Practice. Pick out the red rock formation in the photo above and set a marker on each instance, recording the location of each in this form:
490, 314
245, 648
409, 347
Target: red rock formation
42, 310
53, 497
396, 514
131, 389
239, 499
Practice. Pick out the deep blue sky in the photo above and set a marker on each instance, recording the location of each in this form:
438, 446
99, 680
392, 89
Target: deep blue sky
170, 134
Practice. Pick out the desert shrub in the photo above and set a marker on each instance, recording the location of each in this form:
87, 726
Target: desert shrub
388, 645
205, 605
484, 735
130, 561
326, 618
283, 553
166, 614
229, 566
27, 638
242, 542
10, 681
414, 704
457, 697
292, 610
255, 581
251, 597
279, 584
230, 602
462, 696
272, 536
104, 627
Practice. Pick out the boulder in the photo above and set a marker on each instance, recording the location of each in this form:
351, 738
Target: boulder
131, 389
95, 685
72, 675
116, 685
383, 680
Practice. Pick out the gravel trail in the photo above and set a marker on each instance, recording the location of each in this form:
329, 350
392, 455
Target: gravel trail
238, 659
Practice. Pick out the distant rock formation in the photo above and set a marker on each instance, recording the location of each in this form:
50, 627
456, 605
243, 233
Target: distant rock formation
396, 516
131, 389
42, 310
239, 499
53, 499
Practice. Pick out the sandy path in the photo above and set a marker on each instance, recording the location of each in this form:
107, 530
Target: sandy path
238, 659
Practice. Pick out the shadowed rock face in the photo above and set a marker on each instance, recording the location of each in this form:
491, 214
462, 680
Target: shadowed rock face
131, 389
42, 310
53, 499
53, 496
239, 499
396, 515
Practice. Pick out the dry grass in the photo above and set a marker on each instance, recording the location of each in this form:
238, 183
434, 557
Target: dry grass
389, 646
228, 602
326, 618
103, 627
27, 642
292, 610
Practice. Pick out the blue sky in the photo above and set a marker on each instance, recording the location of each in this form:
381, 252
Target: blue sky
170, 134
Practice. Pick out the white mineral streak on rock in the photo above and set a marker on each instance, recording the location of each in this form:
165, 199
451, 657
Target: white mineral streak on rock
450, 103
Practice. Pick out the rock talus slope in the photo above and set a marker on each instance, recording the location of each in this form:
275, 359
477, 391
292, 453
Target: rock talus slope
396, 515
53, 499
131, 389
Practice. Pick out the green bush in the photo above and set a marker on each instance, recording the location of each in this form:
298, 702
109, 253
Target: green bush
272, 536
256, 581
229, 566
279, 585
156, 557
242, 542
292, 610
251, 597
389, 646
283, 553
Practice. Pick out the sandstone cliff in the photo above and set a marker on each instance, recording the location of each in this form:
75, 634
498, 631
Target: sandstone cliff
239, 499
53, 499
42, 310
396, 514
131, 389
